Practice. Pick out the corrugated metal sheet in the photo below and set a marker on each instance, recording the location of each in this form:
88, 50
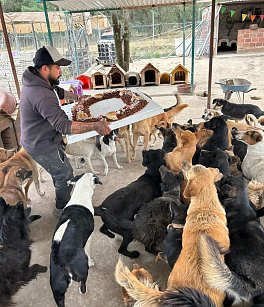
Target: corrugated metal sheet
88, 5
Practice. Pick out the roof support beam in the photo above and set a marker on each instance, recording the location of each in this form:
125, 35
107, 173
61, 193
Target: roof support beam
211, 55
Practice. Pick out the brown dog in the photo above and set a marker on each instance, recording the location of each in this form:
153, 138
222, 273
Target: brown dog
205, 216
23, 160
147, 127
185, 149
11, 190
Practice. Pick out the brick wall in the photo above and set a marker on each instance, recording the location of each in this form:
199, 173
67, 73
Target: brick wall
250, 40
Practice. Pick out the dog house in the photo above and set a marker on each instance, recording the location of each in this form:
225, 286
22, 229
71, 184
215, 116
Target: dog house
116, 76
165, 78
180, 74
132, 78
149, 75
99, 77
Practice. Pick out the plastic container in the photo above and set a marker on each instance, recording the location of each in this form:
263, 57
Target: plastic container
86, 80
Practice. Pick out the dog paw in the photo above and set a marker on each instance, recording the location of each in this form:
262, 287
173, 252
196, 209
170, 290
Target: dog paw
120, 167
105, 172
133, 158
91, 262
134, 254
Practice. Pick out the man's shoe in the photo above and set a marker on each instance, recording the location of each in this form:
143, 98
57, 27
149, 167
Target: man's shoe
57, 212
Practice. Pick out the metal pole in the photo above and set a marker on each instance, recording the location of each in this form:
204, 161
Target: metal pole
153, 29
9, 50
183, 35
193, 44
211, 55
47, 22
34, 35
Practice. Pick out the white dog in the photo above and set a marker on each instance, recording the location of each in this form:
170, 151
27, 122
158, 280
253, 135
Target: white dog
102, 145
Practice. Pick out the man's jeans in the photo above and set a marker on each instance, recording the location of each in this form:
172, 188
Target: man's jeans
58, 166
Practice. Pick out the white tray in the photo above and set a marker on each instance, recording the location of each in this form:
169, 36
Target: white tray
113, 104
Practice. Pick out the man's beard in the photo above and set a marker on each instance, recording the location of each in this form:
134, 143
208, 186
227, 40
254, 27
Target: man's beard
54, 81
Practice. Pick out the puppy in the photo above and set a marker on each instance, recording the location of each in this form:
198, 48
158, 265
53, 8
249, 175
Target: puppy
11, 190
146, 127
119, 208
203, 217
210, 113
15, 252
219, 140
253, 162
242, 277
103, 145
68, 260
23, 159
237, 111
149, 226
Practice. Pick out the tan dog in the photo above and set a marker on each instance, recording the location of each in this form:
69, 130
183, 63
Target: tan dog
11, 189
147, 127
185, 149
205, 216
143, 276
5, 154
23, 160
254, 122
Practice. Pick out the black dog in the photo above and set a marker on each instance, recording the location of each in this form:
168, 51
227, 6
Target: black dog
169, 136
152, 219
237, 111
68, 260
15, 253
219, 139
242, 277
118, 209
217, 159
239, 147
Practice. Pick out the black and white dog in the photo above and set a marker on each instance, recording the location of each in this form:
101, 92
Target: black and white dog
102, 145
68, 260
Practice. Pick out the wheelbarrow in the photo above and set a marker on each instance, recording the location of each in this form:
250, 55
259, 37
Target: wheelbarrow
236, 85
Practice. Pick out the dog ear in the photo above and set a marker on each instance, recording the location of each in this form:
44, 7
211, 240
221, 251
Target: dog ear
74, 179
257, 136
191, 189
97, 180
216, 173
225, 117
163, 170
190, 122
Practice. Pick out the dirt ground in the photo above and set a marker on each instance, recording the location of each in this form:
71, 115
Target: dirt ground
102, 290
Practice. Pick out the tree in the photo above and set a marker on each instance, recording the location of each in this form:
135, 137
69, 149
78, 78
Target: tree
25, 6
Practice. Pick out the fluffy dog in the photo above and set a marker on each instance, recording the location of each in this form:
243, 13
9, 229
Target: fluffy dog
242, 277
205, 216
15, 252
152, 219
23, 159
237, 111
253, 162
118, 209
68, 260
219, 140
103, 145
146, 127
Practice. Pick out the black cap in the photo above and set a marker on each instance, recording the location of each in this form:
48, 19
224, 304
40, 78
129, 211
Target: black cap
49, 55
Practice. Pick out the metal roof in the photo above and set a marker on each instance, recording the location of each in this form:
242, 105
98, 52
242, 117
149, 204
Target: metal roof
100, 5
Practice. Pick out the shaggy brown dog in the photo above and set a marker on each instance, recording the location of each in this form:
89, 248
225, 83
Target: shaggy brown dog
147, 127
205, 216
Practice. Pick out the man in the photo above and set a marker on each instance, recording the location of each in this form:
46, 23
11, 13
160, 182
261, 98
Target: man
43, 121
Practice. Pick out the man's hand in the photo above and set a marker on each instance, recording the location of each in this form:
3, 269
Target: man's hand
102, 127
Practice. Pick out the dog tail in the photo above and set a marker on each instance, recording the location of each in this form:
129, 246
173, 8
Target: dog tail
217, 274
186, 297
146, 293
176, 109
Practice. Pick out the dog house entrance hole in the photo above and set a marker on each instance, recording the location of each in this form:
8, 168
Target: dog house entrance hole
179, 76
150, 76
132, 81
165, 79
99, 80
116, 78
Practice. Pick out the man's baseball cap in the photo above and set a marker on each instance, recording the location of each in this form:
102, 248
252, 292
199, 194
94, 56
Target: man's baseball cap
49, 55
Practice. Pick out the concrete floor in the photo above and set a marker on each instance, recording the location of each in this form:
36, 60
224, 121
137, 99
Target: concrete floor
102, 290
